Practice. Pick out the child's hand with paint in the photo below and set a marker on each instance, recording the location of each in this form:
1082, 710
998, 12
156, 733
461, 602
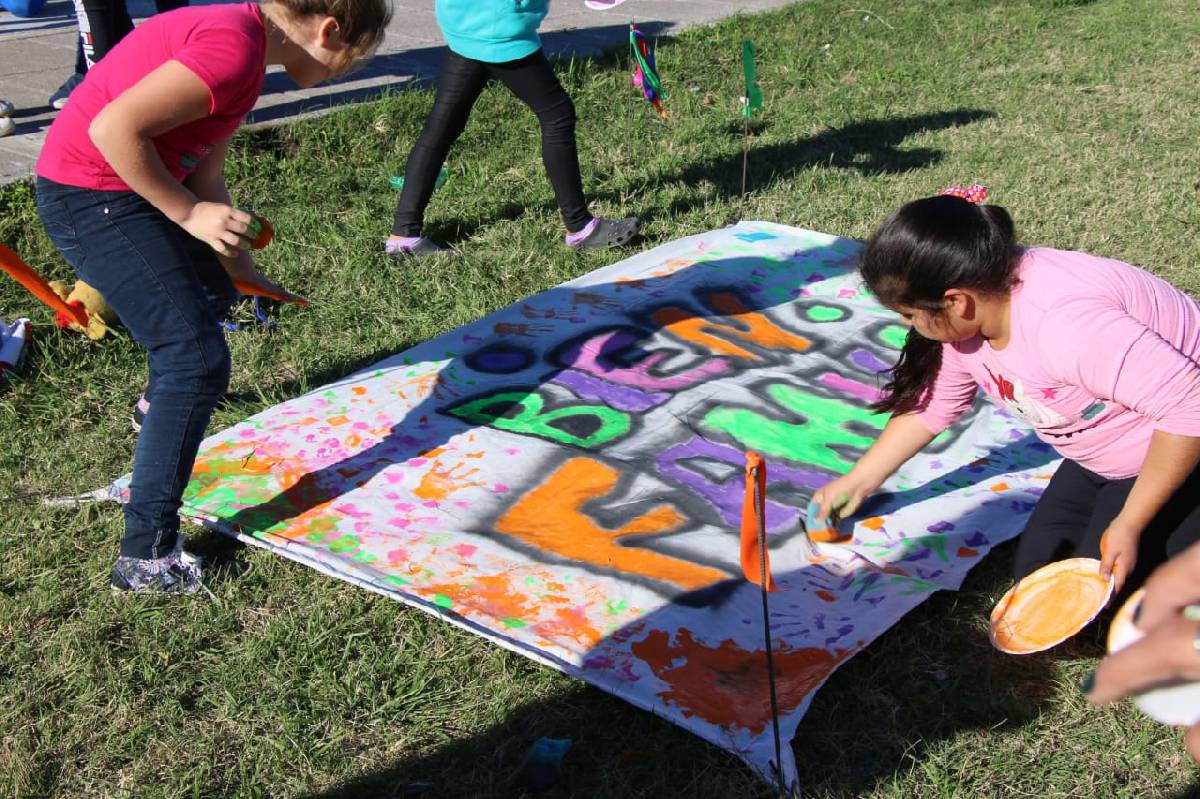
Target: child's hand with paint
903, 437
261, 231
833, 502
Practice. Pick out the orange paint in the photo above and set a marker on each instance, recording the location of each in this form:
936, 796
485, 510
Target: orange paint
1000, 487
571, 623
826, 535
551, 517
258, 290
1049, 606
966, 552
741, 323
439, 483
338, 420
873, 523
727, 685
493, 596
259, 465
359, 390
824, 595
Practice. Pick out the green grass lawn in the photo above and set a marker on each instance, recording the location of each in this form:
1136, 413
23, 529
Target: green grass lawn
1081, 118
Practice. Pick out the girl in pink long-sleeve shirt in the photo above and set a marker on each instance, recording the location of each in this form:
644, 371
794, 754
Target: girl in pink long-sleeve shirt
1101, 358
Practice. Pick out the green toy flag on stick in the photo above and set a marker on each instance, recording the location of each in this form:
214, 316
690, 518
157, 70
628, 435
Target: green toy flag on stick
754, 98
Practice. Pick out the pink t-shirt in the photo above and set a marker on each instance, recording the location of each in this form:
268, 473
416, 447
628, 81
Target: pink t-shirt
224, 45
1102, 354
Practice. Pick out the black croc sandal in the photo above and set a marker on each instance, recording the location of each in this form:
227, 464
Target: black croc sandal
610, 233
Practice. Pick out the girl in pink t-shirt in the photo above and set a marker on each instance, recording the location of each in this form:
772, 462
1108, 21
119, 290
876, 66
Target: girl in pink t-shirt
131, 191
1100, 358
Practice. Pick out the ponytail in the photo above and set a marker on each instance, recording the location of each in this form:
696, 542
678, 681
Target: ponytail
912, 376
924, 249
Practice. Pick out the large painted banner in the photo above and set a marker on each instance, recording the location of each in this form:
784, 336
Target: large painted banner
565, 477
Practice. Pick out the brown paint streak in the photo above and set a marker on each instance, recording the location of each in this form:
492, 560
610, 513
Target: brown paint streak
727, 685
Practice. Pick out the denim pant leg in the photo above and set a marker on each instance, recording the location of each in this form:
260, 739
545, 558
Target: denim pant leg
160, 284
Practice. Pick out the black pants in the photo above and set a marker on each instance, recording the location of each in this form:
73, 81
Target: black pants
462, 79
1076, 509
103, 23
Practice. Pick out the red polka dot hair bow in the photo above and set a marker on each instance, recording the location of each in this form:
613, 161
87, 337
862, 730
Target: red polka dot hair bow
975, 193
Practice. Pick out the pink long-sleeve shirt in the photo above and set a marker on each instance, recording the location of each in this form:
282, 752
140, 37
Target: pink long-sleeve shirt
1101, 355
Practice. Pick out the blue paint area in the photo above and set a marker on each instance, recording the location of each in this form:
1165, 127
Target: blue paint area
753, 237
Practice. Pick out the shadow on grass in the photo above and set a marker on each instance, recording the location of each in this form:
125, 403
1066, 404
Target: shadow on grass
872, 147
931, 677
928, 679
616, 751
1191, 792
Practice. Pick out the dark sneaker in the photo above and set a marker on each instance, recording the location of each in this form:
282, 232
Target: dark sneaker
414, 247
177, 573
139, 413
58, 100
602, 232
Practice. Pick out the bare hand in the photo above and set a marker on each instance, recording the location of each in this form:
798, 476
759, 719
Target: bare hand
221, 226
1118, 552
1167, 654
838, 498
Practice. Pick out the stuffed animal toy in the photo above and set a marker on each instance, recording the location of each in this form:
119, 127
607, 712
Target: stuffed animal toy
99, 316
80, 307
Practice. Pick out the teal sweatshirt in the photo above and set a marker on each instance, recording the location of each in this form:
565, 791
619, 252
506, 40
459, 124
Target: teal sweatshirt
494, 31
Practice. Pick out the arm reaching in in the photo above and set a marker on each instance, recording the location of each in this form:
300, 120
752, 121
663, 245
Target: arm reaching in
903, 437
1169, 652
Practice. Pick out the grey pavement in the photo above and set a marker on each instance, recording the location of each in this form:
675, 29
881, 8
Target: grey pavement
38, 53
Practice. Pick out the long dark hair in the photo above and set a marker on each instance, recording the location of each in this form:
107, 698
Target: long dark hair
925, 248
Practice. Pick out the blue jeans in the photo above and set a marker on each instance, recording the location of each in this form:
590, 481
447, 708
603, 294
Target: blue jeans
171, 293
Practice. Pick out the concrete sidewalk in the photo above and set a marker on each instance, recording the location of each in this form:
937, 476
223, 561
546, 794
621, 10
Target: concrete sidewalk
38, 53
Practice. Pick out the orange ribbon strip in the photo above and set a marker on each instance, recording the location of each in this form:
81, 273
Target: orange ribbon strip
21, 272
756, 565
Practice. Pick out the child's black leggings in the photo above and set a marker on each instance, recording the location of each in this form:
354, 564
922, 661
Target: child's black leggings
462, 79
103, 23
1076, 509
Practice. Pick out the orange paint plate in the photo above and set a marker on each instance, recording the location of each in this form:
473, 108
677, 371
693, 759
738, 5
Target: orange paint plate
1049, 606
